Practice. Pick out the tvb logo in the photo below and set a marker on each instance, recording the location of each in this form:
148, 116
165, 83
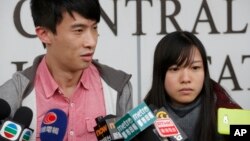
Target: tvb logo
239, 132
10, 131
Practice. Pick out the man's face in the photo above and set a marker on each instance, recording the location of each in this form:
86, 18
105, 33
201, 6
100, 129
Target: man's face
73, 45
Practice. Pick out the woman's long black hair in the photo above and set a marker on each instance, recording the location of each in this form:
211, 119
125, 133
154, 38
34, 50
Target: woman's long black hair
177, 49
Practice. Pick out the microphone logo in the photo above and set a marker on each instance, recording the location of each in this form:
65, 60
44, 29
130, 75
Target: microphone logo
26, 135
161, 114
54, 125
135, 121
50, 118
166, 127
10, 130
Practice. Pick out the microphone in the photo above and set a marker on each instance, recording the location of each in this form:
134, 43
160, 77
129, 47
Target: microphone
105, 129
4, 110
18, 128
135, 122
18, 117
166, 127
54, 125
163, 128
26, 134
150, 133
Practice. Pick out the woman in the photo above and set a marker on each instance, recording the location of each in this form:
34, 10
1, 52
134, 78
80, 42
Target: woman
182, 84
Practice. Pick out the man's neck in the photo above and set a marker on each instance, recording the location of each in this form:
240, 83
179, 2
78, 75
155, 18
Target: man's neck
67, 81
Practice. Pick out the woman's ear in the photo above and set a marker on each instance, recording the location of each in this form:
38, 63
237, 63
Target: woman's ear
43, 34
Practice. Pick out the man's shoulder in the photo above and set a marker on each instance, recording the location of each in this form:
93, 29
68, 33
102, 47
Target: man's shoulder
107, 70
113, 77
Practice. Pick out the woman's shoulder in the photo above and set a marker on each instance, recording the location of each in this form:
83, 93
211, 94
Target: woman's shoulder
223, 99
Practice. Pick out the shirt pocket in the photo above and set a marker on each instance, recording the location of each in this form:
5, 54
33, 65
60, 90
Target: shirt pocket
91, 123
86, 126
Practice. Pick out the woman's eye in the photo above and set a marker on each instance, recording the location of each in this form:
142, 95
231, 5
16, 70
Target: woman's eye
196, 67
173, 69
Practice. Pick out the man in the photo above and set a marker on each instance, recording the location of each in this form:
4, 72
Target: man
67, 77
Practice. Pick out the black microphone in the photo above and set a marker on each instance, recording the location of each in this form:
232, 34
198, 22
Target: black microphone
18, 128
4, 110
105, 129
25, 120
149, 134
54, 125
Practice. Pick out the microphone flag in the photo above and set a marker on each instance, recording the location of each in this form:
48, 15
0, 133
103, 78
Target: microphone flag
11, 130
167, 128
26, 134
54, 125
135, 121
105, 129
164, 125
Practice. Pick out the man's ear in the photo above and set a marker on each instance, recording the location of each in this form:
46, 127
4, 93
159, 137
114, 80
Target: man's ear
43, 34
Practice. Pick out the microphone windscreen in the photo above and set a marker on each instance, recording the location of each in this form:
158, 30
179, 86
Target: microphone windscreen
23, 116
54, 125
4, 109
109, 116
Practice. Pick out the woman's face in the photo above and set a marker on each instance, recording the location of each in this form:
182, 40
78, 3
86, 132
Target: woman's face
183, 84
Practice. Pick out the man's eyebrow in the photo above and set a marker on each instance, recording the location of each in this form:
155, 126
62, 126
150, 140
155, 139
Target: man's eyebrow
77, 25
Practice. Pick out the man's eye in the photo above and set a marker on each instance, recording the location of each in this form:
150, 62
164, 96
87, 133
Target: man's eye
78, 30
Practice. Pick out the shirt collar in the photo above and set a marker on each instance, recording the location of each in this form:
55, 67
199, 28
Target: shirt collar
50, 86
48, 83
85, 78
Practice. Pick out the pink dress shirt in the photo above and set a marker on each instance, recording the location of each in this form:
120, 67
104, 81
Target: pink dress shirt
86, 103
